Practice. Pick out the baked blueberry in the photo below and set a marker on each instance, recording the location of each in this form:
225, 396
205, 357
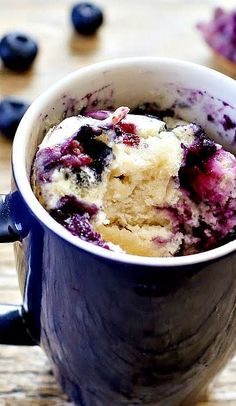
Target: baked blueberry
18, 51
80, 226
11, 112
86, 18
100, 153
69, 205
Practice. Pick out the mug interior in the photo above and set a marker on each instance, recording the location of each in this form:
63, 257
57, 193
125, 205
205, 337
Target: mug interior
189, 91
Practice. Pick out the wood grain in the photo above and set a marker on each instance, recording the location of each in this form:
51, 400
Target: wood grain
133, 28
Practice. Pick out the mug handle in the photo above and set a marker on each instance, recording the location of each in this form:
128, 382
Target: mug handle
13, 326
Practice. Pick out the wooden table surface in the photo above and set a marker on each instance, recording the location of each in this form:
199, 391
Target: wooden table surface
131, 28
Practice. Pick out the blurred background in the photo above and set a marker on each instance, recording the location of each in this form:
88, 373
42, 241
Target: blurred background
130, 28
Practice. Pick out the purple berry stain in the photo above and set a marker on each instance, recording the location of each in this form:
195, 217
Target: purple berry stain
75, 215
228, 123
69, 154
80, 226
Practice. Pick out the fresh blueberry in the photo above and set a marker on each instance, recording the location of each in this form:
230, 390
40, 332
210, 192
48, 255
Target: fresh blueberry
11, 112
86, 18
18, 51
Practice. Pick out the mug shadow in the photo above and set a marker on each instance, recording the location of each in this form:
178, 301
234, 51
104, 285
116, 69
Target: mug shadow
12, 83
82, 45
197, 398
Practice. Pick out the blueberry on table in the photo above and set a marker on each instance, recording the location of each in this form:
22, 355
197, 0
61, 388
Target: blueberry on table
86, 18
18, 51
11, 112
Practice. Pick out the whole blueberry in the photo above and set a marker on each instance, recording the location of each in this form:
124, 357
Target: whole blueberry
18, 51
86, 18
11, 112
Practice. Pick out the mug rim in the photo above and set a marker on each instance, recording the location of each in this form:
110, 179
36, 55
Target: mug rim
24, 187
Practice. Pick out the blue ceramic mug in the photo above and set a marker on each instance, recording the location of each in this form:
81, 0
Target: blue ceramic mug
121, 329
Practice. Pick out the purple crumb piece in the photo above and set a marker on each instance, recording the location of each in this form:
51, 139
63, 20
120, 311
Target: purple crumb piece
220, 33
97, 115
80, 226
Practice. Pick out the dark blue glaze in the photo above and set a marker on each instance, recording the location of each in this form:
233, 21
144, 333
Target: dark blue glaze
33, 251
31, 235
8, 228
121, 334
124, 335
14, 327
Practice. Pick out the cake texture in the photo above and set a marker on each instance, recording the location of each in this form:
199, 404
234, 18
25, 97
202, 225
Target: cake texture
137, 184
